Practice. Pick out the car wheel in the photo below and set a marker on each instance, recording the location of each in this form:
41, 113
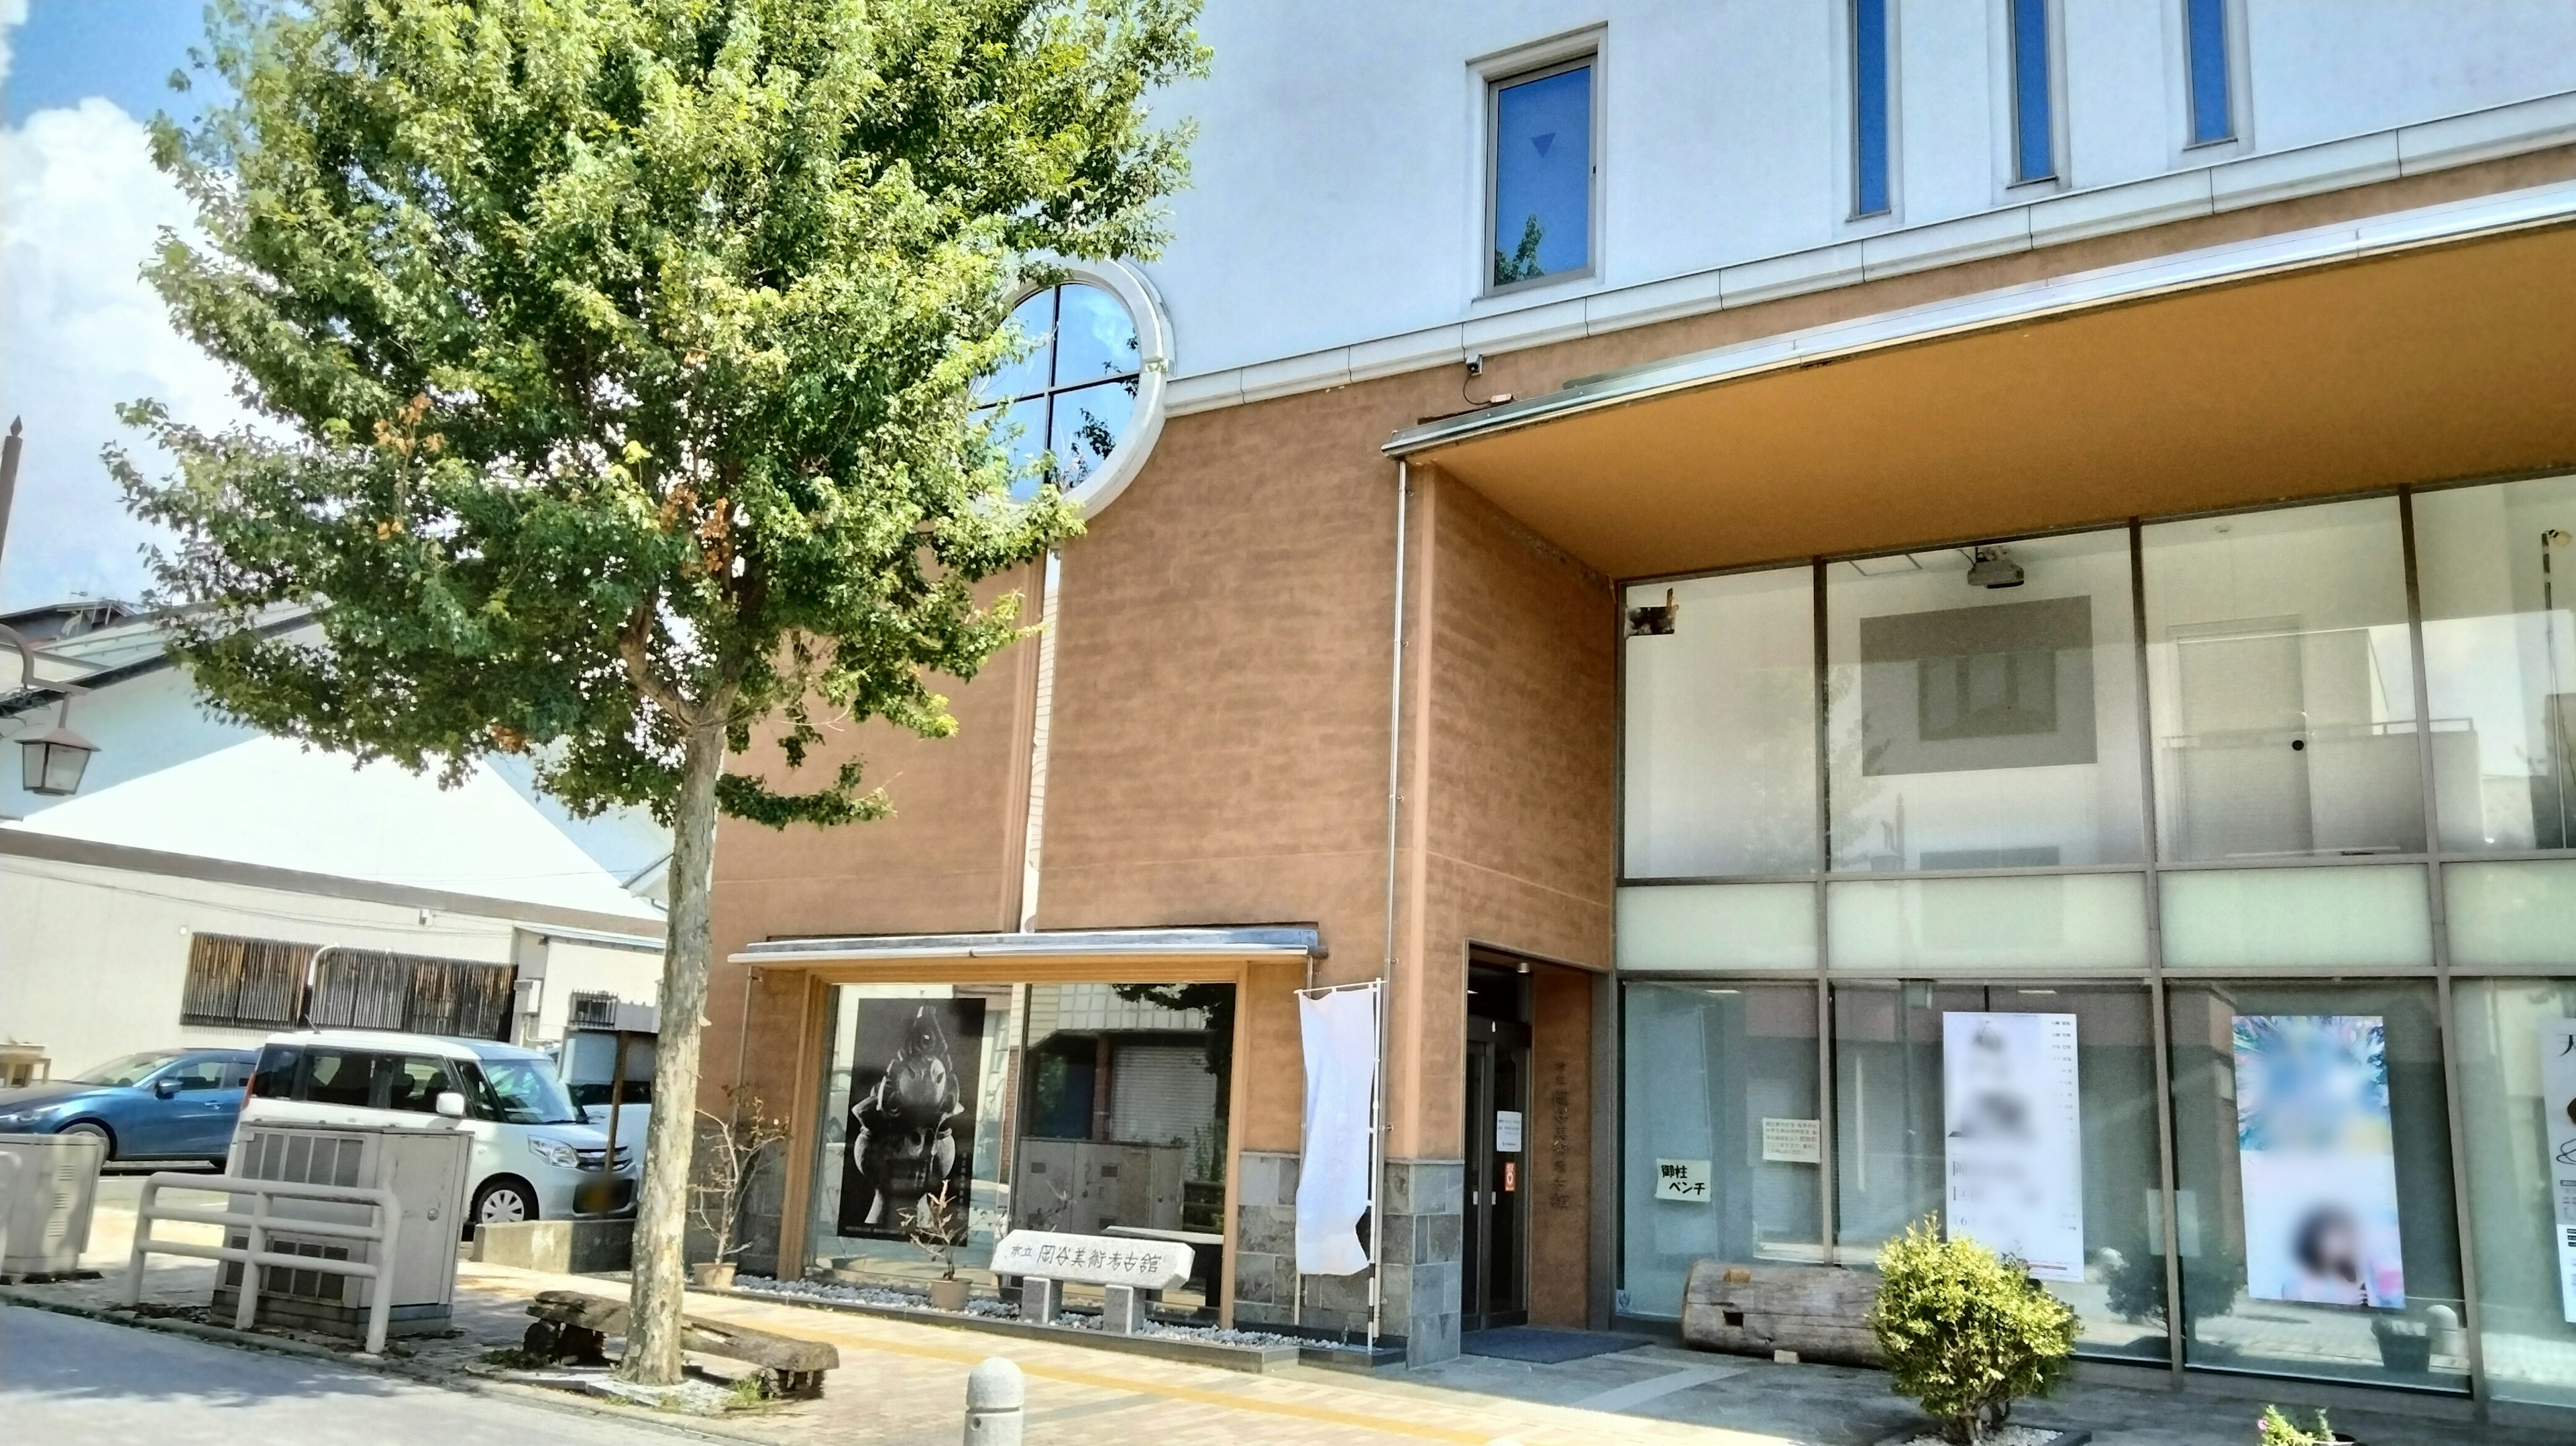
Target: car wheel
503, 1200
93, 1130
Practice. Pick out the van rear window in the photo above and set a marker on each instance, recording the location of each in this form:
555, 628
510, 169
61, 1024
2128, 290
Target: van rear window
343, 1076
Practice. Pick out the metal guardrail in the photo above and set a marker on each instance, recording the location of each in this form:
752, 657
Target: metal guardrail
259, 1222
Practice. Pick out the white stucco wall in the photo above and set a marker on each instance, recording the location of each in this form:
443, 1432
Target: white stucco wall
1339, 168
581, 966
93, 960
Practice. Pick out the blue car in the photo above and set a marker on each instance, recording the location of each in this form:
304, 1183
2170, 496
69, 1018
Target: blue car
168, 1104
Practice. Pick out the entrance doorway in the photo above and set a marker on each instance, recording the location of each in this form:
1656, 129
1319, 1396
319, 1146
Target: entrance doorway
1494, 1285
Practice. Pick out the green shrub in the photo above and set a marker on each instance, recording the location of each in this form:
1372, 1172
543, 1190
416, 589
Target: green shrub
2277, 1431
1965, 1332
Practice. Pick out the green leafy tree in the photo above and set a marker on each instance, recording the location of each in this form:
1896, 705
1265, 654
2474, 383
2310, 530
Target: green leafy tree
613, 363
1966, 1332
1522, 264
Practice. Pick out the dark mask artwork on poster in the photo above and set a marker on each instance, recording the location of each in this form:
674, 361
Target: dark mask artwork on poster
912, 1118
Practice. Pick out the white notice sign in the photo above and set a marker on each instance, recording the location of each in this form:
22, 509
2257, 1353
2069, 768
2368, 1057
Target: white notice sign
2558, 1113
1682, 1180
1094, 1259
1507, 1132
2015, 1155
1793, 1142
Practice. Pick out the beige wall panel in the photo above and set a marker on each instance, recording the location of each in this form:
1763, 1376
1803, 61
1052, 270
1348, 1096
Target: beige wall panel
1559, 1146
1525, 701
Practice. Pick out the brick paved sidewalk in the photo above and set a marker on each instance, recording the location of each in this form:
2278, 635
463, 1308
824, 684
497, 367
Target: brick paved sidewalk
903, 1384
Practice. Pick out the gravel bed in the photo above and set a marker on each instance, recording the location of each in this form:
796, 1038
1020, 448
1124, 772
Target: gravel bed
990, 1310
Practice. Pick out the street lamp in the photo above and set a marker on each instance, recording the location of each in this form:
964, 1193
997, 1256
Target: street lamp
54, 761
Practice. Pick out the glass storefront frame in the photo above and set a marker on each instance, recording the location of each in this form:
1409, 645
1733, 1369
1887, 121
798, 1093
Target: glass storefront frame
1810, 960
808, 1144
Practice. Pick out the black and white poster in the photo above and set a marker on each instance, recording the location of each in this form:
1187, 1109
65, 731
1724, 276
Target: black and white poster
912, 1118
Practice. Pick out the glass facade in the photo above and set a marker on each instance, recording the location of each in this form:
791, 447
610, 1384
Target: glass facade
1729, 1067
1983, 707
2232, 849
1090, 1108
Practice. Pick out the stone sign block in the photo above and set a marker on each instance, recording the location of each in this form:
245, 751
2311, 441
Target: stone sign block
1094, 1259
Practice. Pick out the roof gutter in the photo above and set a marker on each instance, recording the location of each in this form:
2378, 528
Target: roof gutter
2535, 209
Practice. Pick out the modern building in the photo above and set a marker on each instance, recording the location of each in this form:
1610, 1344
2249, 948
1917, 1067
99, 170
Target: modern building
1869, 609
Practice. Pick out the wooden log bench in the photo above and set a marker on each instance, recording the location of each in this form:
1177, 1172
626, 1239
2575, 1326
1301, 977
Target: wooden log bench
572, 1326
1819, 1311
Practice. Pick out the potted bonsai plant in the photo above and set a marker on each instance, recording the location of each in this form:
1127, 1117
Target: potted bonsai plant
732, 1150
935, 1230
1966, 1332
2276, 1429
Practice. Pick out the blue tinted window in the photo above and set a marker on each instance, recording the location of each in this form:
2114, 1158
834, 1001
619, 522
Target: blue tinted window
2034, 139
1543, 176
2207, 22
1094, 336
1869, 107
1059, 411
1033, 318
1086, 427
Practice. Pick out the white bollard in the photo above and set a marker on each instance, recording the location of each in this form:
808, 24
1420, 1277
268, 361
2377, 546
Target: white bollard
995, 1394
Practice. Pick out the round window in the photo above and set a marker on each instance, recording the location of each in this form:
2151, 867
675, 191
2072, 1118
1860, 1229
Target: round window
1067, 404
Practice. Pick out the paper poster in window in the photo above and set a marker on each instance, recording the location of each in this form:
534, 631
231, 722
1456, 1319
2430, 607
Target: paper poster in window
912, 1118
2014, 1146
2317, 1157
2558, 1114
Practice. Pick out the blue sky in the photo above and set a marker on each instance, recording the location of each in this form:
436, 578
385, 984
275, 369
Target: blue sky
121, 50
81, 209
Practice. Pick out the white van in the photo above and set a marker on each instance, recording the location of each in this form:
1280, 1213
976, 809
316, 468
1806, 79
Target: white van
534, 1157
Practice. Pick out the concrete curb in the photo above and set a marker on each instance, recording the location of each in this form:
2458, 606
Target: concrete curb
694, 1428
1252, 1360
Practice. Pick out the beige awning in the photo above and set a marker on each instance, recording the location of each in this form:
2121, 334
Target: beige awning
2416, 349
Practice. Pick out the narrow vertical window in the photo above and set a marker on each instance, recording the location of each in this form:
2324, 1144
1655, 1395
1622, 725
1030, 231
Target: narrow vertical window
2206, 24
1542, 187
2034, 133
1869, 108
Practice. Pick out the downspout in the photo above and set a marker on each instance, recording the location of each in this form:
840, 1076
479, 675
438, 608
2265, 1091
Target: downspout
1041, 719
1386, 965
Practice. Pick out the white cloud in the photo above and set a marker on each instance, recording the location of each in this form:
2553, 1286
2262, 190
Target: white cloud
13, 13
81, 208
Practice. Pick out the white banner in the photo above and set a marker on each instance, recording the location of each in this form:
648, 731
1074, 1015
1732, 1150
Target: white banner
2316, 1156
2558, 1112
1340, 1031
2015, 1142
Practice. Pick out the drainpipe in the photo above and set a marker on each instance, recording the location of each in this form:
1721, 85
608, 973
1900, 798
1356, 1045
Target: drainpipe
1386, 965
1041, 720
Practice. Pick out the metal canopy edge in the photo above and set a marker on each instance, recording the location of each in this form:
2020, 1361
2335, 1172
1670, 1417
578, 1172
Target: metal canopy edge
2446, 224
1269, 939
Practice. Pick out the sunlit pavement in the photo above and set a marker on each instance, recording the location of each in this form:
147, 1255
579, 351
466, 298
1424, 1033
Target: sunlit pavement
88, 1383
903, 1384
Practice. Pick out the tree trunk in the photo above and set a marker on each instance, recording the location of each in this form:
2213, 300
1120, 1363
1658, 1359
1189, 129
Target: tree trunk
661, 1214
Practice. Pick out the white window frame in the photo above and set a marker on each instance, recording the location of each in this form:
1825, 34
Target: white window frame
1846, 42
2240, 87
1154, 364
1490, 76
2010, 189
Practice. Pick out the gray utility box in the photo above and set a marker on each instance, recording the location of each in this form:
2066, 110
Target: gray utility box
48, 1184
423, 1165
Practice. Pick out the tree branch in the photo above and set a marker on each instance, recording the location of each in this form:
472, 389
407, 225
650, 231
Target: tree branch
639, 668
